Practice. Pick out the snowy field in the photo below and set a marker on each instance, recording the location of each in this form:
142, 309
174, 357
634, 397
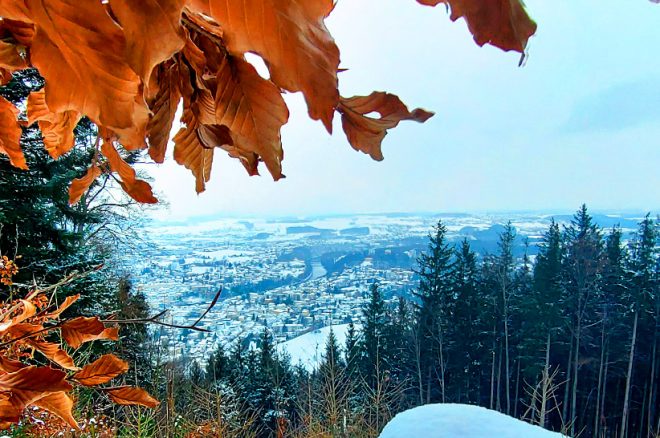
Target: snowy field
460, 421
308, 349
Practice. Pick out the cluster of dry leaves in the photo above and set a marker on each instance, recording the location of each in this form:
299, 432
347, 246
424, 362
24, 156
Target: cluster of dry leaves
127, 65
32, 325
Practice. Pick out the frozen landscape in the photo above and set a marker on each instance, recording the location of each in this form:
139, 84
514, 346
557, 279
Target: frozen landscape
297, 275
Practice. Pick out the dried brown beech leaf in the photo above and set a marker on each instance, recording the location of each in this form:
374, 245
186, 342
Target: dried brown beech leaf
21, 31
79, 330
190, 152
10, 134
9, 414
60, 404
84, 64
68, 301
27, 310
130, 395
80, 185
31, 383
137, 189
9, 366
101, 371
148, 46
10, 57
254, 111
54, 353
501, 23
293, 40
56, 128
366, 134
163, 106
14, 10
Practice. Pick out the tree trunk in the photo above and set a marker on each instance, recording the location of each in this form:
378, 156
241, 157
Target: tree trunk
492, 380
600, 379
499, 381
651, 403
567, 390
576, 361
515, 398
545, 386
506, 347
603, 423
624, 416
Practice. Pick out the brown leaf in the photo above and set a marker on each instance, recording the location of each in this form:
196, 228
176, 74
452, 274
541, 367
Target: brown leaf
56, 128
293, 40
130, 395
10, 57
31, 383
136, 189
79, 330
9, 413
27, 310
21, 31
366, 134
60, 404
10, 134
101, 371
80, 185
501, 23
254, 111
54, 353
147, 46
84, 64
9, 366
68, 301
191, 153
15, 10
163, 106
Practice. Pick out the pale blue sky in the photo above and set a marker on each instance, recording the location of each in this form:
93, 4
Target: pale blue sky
580, 122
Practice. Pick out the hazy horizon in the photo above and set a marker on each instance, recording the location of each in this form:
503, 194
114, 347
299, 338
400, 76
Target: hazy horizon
577, 124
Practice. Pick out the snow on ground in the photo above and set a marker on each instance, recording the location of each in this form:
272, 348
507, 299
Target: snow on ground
460, 421
308, 349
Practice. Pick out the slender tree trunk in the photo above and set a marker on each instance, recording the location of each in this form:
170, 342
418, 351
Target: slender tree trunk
442, 371
651, 403
545, 386
515, 399
567, 390
603, 423
506, 346
576, 361
499, 381
492, 379
624, 416
600, 380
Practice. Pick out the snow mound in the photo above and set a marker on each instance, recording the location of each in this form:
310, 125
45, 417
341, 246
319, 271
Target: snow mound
460, 421
308, 349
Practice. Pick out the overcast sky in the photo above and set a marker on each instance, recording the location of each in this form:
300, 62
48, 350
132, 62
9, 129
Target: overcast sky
580, 122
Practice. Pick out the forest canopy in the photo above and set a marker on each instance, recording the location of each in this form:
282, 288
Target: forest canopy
127, 66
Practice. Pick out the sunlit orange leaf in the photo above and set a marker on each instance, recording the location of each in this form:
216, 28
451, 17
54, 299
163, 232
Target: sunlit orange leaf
148, 46
60, 404
130, 395
9, 366
31, 383
191, 153
163, 107
137, 189
10, 134
27, 310
56, 128
502, 23
293, 39
84, 64
15, 10
366, 134
54, 353
254, 111
68, 301
79, 330
10, 57
101, 371
21, 31
80, 185
9, 413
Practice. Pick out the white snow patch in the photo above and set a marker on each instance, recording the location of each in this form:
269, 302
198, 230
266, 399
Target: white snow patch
308, 349
464, 421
